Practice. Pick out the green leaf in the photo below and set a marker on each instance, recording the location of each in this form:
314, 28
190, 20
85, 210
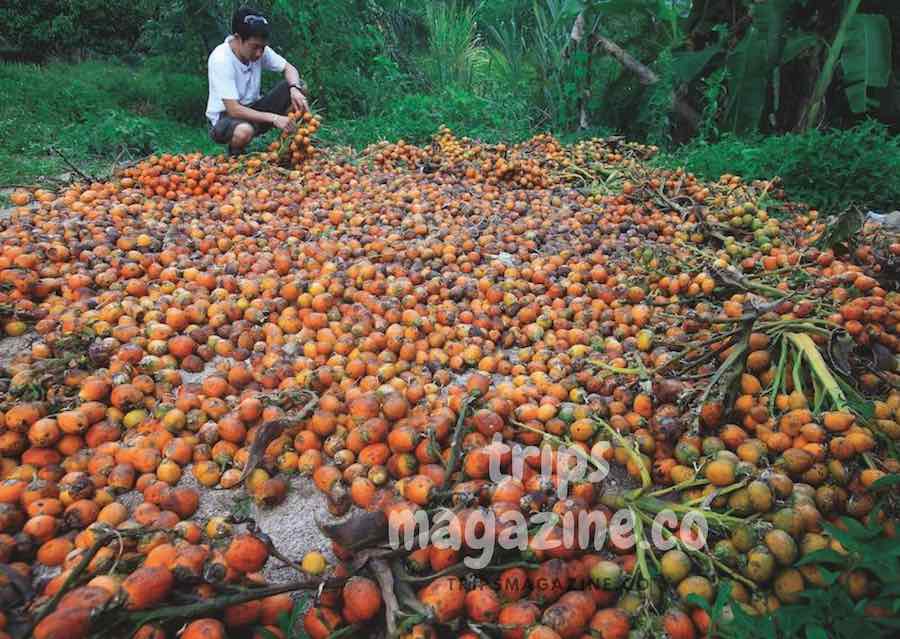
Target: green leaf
829, 577
771, 19
687, 65
886, 482
816, 632
846, 539
858, 531
751, 63
856, 402
866, 59
797, 44
284, 621
696, 600
748, 88
825, 556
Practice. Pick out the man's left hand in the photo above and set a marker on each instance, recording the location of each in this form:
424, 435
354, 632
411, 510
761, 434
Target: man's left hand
298, 100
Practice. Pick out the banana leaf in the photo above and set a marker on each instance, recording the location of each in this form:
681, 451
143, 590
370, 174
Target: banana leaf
866, 59
751, 63
797, 44
749, 75
687, 65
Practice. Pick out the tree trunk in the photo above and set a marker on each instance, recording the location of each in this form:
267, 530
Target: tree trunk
575, 38
645, 75
583, 122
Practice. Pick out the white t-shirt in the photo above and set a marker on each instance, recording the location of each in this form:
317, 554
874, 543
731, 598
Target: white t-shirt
231, 79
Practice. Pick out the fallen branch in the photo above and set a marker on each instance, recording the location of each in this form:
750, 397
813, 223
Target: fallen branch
191, 611
455, 450
84, 176
254, 528
269, 431
104, 538
458, 569
385, 578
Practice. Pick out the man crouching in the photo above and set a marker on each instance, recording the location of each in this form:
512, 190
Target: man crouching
235, 110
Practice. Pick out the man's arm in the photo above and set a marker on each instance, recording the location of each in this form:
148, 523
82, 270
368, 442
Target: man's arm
271, 61
237, 110
292, 77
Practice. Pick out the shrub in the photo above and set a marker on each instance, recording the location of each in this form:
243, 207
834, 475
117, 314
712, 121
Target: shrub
116, 130
831, 170
416, 116
37, 29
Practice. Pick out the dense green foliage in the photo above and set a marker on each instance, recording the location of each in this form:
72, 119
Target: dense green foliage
780, 58
415, 117
37, 29
707, 72
829, 170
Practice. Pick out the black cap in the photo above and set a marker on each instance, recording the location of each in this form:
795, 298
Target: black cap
250, 23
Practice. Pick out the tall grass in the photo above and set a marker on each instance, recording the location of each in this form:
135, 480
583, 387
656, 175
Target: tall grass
508, 56
456, 55
538, 59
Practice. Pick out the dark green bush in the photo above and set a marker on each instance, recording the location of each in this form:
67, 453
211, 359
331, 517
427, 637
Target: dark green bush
827, 169
115, 130
37, 29
178, 95
335, 44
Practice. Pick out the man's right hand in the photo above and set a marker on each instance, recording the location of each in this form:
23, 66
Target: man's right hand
281, 121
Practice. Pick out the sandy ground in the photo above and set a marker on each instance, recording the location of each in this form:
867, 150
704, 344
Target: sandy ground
10, 347
291, 525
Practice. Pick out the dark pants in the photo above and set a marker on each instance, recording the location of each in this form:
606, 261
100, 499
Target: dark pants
278, 100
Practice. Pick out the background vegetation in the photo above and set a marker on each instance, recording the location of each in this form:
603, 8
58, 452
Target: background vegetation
805, 89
